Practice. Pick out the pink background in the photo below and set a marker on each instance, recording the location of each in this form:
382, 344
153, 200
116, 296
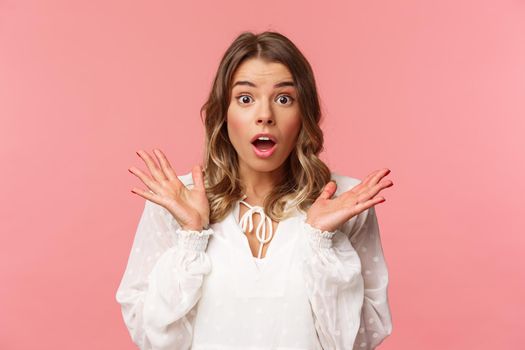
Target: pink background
433, 90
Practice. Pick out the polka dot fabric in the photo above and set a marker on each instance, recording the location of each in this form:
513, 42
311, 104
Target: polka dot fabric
204, 290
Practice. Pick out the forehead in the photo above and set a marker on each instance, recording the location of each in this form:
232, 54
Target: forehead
260, 71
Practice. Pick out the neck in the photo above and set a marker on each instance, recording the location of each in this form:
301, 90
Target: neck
257, 185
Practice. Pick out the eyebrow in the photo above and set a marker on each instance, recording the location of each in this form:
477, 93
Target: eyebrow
249, 83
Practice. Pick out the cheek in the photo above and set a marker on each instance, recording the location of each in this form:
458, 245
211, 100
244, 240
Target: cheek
292, 128
235, 127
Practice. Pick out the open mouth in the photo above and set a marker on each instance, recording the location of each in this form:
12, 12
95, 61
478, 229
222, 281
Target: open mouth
263, 148
263, 145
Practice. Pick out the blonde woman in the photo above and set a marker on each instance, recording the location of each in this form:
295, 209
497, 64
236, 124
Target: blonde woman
264, 248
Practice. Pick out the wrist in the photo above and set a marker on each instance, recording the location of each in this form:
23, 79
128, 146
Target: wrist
318, 237
317, 226
194, 225
195, 240
192, 228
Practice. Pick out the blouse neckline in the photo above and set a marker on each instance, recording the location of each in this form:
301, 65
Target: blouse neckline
246, 224
258, 265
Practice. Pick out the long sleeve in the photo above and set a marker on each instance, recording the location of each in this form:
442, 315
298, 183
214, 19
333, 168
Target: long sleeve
332, 272
376, 321
162, 281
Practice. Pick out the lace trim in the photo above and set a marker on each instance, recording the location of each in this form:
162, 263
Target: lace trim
194, 240
318, 237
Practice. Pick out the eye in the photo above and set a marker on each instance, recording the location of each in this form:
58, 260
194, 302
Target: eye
287, 98
243, 99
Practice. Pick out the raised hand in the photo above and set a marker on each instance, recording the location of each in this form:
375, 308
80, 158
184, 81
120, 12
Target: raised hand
190, 208
328, 214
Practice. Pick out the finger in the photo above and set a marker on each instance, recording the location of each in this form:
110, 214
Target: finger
149, 195
373, 191
385, 183
364, 183
328, 190
362, 206
152, 166
152, 185
369, 176
165, 165
376, 200
198, 180
379, 175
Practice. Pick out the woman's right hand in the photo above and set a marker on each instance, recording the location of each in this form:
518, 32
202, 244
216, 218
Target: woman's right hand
190, 208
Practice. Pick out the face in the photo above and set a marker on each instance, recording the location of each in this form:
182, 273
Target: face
263, 100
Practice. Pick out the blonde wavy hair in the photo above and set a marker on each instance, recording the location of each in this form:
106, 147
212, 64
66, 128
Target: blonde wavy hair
306, 174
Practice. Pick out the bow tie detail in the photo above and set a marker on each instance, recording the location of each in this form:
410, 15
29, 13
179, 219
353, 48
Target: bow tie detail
260, 232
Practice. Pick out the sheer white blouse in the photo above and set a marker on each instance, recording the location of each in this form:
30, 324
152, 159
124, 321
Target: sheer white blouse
205, 291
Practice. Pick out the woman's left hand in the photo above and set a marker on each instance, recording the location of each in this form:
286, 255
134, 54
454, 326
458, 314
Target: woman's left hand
328, 214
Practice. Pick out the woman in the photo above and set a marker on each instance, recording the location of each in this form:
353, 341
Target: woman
265, 248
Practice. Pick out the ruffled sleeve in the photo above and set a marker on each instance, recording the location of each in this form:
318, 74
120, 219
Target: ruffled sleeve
332, 272
375, 319
162, 281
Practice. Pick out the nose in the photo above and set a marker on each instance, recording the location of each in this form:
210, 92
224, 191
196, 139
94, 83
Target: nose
265, 120
265, 116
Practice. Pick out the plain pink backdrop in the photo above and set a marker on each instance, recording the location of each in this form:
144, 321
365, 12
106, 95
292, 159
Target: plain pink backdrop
433, 90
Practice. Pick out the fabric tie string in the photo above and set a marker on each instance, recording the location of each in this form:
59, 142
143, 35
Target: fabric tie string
260, 232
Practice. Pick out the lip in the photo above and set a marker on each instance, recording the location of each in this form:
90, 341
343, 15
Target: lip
264, 154
270, 136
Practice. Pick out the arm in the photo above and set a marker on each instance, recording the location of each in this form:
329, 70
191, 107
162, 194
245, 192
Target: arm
332, 272
162, 281
376, 322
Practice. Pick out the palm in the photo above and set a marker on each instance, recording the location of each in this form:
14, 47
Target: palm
328, 214
185, 201
190, 207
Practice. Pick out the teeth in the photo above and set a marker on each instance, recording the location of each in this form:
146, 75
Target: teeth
264, 138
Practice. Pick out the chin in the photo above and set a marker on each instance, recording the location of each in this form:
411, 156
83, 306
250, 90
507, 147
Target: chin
267, 165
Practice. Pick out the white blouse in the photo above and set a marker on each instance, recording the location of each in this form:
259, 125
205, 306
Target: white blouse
205, 291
